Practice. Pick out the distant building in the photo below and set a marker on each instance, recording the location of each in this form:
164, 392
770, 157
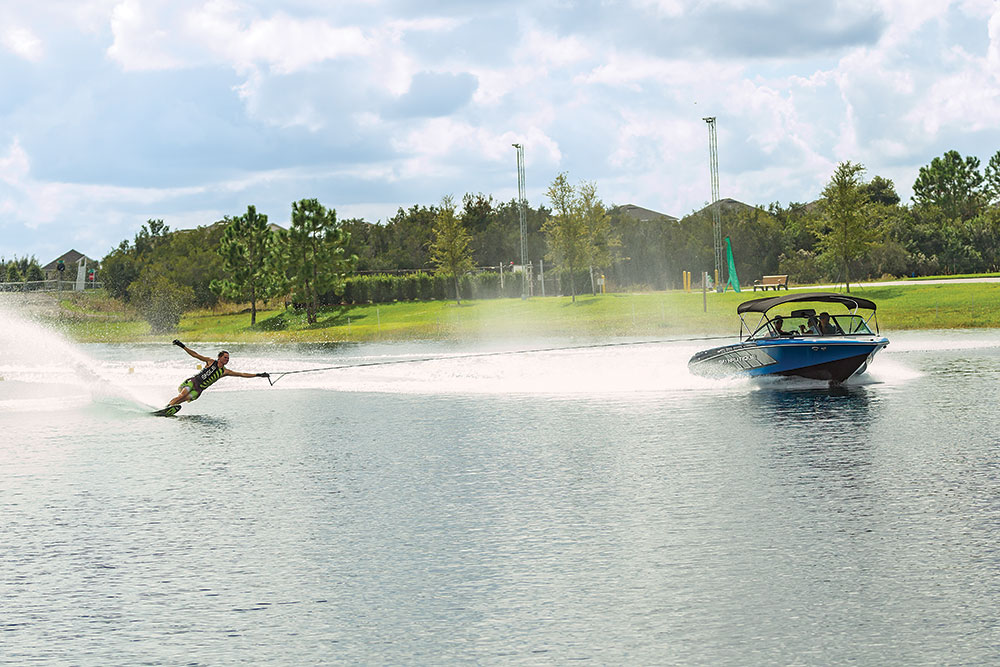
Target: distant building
646, 237
642, 214
729, 208
70, 259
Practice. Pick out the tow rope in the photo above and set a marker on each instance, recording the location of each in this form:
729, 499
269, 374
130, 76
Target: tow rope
274, 377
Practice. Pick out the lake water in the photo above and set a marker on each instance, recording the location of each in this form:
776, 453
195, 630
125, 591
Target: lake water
597, 504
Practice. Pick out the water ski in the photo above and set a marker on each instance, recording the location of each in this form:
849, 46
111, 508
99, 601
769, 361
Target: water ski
168, 411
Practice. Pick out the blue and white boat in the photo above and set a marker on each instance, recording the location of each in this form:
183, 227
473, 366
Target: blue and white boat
796, 340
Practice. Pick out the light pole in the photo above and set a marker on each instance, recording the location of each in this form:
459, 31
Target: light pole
713, 165
521, 206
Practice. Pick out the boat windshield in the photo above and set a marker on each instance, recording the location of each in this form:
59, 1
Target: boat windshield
808, 324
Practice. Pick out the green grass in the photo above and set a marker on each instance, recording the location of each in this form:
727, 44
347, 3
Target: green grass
654, 314
952, 306
602, 316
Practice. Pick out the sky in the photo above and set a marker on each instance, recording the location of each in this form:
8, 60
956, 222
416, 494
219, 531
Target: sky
113, 112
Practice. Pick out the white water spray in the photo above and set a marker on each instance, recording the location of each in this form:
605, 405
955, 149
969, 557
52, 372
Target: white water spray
42, 370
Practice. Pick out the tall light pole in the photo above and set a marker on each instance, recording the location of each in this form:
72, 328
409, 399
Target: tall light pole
522, 204
713, 159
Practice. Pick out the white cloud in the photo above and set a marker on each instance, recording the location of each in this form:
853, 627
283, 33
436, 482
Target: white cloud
35, 203
645, 141
22, 42
668, 8
156, 35
634, 70
446, 146
550, 50
372, 210
425, 24
965, 96
14, 166
392, 68
143, 40
496, 83
967, 100
993, 52
773, 114
536, 58
281, 43
90, 16
592, 92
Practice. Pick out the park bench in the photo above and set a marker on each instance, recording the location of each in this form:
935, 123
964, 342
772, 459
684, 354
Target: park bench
771, 282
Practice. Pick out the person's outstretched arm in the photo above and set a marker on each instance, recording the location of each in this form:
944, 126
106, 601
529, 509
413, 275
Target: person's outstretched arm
246, 375
194, 354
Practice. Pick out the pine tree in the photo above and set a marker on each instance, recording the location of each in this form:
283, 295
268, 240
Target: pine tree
317, 255
13, 275
250, 258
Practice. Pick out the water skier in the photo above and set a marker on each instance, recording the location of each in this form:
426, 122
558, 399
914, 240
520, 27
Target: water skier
214, 370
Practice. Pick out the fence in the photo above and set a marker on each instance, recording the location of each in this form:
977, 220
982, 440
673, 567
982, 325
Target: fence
47, 286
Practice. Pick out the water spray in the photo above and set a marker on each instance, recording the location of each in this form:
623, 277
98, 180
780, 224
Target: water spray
274, 377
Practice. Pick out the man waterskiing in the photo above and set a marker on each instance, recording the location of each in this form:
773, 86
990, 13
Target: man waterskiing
214, 370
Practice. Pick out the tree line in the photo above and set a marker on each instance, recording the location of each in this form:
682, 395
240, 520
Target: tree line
241, 259
858, 229
20, 269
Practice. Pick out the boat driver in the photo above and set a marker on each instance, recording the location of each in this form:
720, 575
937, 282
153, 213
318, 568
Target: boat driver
779, 322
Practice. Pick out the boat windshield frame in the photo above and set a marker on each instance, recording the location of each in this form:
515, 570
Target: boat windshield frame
765, 328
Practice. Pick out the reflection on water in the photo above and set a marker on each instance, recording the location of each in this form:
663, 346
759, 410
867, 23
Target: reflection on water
838, 410
819, 429
204, 422
615, 510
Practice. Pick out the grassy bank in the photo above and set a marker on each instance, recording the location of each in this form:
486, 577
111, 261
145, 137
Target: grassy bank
90, 318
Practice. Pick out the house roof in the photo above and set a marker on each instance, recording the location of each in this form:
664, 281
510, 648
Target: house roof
642, 214
728, 205
69, 258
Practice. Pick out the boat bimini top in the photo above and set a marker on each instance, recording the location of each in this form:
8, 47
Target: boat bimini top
850, 324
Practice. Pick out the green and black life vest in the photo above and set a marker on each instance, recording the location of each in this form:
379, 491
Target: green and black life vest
208, 376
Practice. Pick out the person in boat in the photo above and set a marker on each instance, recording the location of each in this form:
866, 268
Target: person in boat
779, 323
214, 370
812, 327
826, 325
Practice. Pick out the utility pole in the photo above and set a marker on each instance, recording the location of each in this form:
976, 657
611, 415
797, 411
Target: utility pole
522, 204
713, 163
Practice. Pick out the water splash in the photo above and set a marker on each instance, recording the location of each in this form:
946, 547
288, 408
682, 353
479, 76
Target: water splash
597, 371
42, 370
41, 367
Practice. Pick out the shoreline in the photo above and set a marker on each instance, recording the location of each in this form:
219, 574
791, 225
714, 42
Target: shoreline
92, 318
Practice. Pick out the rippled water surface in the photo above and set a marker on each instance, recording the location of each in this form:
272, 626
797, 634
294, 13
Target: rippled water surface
597, 505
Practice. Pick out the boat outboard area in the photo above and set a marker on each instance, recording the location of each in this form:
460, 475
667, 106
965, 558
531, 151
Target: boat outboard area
817, 335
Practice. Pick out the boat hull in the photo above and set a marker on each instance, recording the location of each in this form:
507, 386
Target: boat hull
830, 359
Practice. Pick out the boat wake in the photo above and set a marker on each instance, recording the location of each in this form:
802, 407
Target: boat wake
41, 370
